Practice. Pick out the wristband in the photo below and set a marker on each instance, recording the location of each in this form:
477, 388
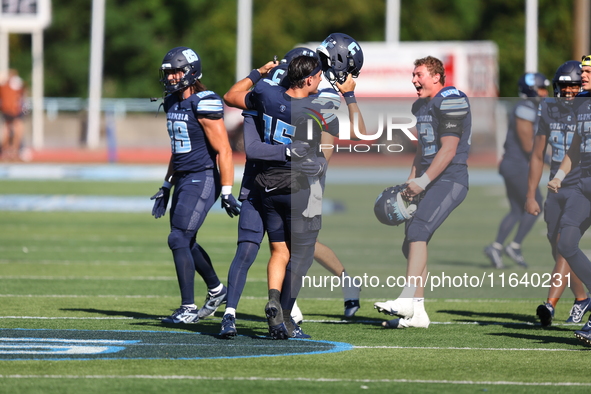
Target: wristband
560, 175
167, 185
423, 181
254, 76
226, 190
350, 97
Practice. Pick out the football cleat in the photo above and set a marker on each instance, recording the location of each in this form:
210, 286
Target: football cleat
578, 310
584, 334
420, 320
274, 313
184, 314
546, 313
296, 314
494, 256
295, 331
516, 256
351, 307
228, 326
212, 303
402, 307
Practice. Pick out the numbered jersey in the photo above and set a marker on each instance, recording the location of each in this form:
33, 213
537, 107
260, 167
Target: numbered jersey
525, 109
558, 123
446, 114
191, 151
281, 118
583, 111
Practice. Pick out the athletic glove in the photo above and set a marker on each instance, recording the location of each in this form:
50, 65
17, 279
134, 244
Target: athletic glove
297, 150
312, 167
230, 204
160, 202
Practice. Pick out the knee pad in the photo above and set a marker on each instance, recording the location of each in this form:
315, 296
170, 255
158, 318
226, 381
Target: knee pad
179, 239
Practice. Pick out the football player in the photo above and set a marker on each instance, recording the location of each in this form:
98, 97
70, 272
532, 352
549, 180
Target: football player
514, 168
250, 223
440, 172
291, 205
198, 141
556, 126
577, 213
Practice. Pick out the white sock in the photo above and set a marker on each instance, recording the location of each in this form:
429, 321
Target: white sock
515, 245
216, 290
230, 311
408, 291
350, 291
419, 304
190, 306
497, 246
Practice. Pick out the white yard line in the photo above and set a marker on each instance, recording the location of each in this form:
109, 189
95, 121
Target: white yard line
298, 379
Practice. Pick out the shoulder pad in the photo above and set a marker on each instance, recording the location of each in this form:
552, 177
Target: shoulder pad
206, 93
450, 91
527, 110
417, 105
454, 107
208, 104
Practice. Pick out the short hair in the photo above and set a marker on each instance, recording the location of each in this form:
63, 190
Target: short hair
301, 68
434, 66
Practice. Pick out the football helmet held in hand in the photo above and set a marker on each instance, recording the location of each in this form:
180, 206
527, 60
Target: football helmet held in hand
391, 209
340, 55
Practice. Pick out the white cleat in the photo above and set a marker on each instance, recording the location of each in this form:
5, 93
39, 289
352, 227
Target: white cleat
420, 319
402, 307
296, 314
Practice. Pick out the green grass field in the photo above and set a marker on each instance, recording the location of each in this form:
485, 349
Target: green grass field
111, 275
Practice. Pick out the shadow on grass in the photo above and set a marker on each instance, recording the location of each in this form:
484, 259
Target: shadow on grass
519, 321
542, 339
207, 326
320, 317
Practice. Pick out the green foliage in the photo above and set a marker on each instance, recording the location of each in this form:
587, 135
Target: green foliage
139, 32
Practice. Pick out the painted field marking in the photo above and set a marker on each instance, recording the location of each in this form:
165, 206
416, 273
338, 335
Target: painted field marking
300, 379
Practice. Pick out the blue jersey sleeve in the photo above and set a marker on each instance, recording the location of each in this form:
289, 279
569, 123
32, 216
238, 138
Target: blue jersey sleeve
209, 105
453, 109
255, 147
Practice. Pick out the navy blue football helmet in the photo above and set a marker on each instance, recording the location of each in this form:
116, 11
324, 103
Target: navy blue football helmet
391, 209
340, 55
529, 83
297, 52
569, 73
185, 60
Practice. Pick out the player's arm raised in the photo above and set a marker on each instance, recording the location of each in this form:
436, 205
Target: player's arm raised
235, 97
347, 89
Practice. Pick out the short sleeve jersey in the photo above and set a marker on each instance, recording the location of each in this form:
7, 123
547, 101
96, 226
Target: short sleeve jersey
525, 109
191, 151
446, 114
557, 122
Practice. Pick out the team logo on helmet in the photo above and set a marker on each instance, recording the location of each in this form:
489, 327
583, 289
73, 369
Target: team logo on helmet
391, 209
